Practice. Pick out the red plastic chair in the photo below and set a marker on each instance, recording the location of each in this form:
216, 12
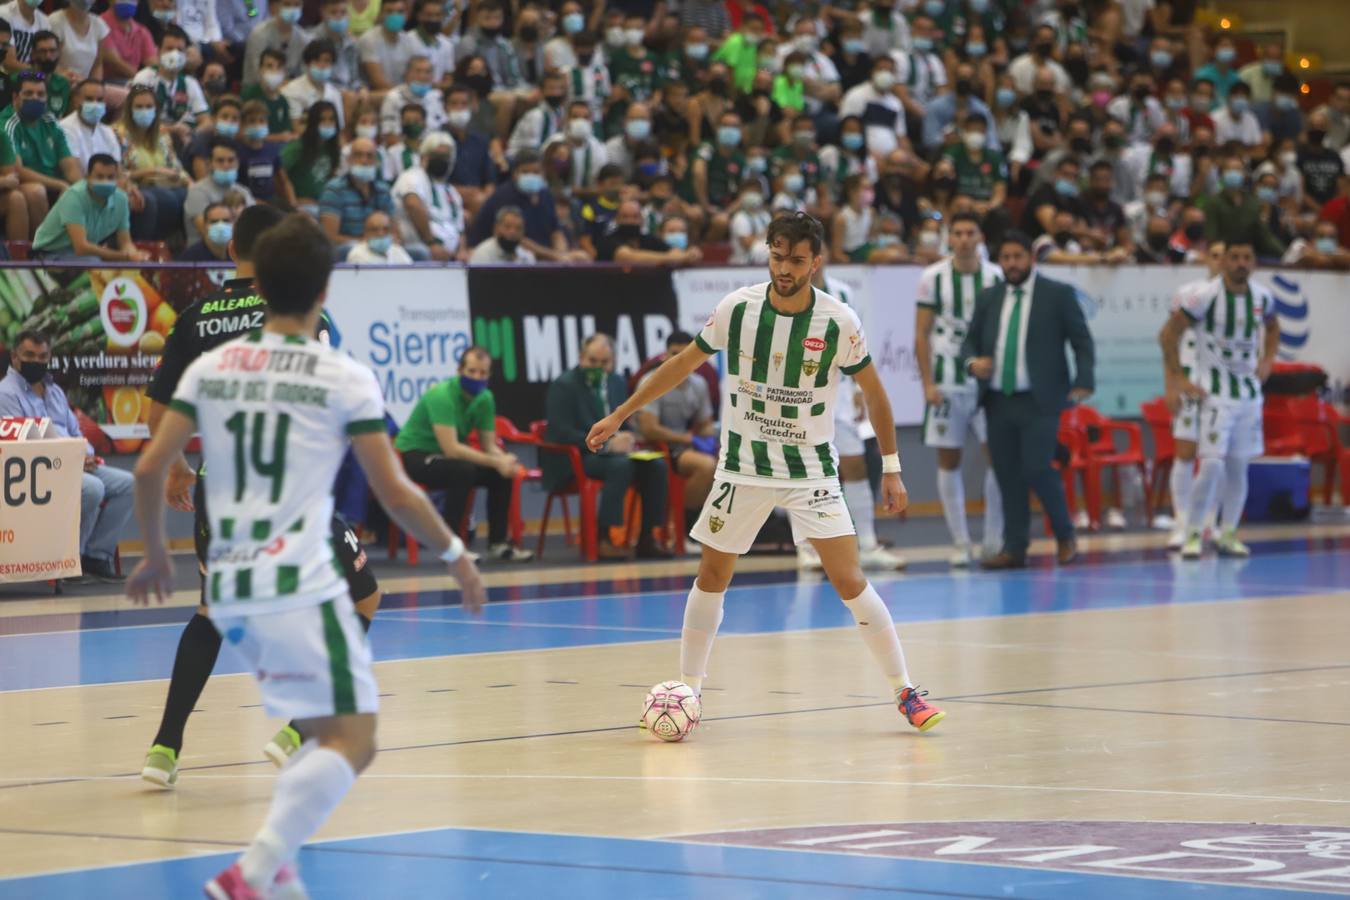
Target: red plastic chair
1158, 418
585, 489
1281, 430
1103, 453
1320, 424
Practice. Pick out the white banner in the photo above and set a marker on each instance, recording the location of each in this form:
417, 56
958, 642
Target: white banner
409, 325
39, 486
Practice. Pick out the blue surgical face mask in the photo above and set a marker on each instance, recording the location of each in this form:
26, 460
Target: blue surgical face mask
290, 14
923, 44
1267, 194
472, 386
573, 22
1272, 67
93, 111
1285, 102
1239, 105
102, 189
144, 117
729, 135
1326, 245
1005, 97
530, 182
124, 11
419, 88
1066, 188
696, 52
219, 233
855, 45
256, 132
395, 21
976, 49
1161, 59
227, 129
1233, 179
225, 177
678, 240
327, 132
853, 140
757, 164
365, 174
320, 74
338, 26
380, 245
638, 129
935, 8
793, 182
1225, 55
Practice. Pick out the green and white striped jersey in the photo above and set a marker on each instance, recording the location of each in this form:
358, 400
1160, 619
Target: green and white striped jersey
1186, 354
1229, 333
782, 373
275, 414
951, 297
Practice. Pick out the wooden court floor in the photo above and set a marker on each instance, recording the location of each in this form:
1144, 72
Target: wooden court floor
1206, 706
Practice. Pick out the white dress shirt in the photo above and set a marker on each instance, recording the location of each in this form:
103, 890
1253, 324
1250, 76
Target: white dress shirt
1004, 320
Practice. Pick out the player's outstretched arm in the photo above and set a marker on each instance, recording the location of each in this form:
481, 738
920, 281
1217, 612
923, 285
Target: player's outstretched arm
410, 508
894, 496
181, 478
154, 573
671, 373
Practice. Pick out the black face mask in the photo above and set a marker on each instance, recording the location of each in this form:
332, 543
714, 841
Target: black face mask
1164, 147
47, 65
215, 85
438, 167
481, 84
1077, 67
1142, 92
508, 245
628, 232
584, 59
433, 27
1045, 97
1063, 237
945, 184
491, 32
963, 87
529, 33
718, 86
33, 372
1316, 136
1044, 49
1195, 231
1081, 146
555, 101
1157, 241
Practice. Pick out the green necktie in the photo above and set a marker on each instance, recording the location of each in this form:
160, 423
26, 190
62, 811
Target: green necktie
1009, 380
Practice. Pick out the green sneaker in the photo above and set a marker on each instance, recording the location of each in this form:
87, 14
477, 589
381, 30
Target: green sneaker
161, 766
1194, 547
1229, 545
283, 745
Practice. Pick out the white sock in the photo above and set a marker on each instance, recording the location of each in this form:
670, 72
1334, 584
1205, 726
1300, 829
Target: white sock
1204, 493
993, 511
858, 496
306, 794
1183, 477
952, 492
1234, 492
878, 633
702, 616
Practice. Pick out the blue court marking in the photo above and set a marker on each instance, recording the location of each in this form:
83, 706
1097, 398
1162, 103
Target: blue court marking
503, 864
137, 653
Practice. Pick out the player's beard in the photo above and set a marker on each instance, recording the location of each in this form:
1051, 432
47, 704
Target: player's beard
792, 291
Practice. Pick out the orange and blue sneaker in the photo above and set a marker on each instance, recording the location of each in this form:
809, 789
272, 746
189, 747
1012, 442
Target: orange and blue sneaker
921, 714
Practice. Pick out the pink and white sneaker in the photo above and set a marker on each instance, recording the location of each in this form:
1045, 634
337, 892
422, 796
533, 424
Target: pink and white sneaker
287, 885
230, 885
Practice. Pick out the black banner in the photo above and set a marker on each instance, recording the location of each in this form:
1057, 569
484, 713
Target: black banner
533, 320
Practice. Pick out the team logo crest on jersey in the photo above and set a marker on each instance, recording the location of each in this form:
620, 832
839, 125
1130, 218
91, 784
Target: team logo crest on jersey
809, 366
778, 361
1186, 422
1213, 437
715, 524
942, 428
814, 344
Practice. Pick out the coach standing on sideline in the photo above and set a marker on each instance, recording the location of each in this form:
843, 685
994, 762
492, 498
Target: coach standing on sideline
1015, 347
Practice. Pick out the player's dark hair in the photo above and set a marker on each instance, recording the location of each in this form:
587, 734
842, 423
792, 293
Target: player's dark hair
292, 261
250, 225
32, 336
794, 229
964, 215
1014, 236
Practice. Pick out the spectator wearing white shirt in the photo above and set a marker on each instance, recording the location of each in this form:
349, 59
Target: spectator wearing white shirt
84, 129
81, 36
25, 20
199, 19
1041, 54
919, 73
819, 72
1139, 111
182, 104
885, 31
429, 211
430, 18
387, 49
336, 29
588, 152
1143, 161
876, 103
588, 78
377, 247
560, 52
750, 225
541, 121
637, 130
280, 32
399, 148
416, 90
1235, 121
508, 230
315, 84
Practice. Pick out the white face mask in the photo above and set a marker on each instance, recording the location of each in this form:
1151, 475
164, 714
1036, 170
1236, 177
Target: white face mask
929, 239
578, 129
458, 118
974, 140
172, 60
273, 80
1289, 159
370, 132
883, 80
1156, 199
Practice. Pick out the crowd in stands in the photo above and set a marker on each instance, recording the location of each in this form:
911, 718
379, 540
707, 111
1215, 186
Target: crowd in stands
644, 130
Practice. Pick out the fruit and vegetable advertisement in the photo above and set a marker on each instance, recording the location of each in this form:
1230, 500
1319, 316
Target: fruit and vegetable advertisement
108, 328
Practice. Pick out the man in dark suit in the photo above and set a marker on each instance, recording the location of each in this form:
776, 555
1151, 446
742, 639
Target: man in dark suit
578, 399
1015, 347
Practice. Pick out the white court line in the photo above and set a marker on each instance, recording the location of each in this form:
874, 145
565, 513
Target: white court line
709, 779
438, 621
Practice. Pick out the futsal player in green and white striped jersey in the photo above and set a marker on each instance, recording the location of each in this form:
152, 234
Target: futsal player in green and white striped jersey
786, 346
944, 307
1236, 337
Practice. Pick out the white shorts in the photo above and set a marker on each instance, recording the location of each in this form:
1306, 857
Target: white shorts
1230, 428
734, 513
1186, 423
310, 662
946, 424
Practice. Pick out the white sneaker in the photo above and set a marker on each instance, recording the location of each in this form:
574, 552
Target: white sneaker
1176, 538
1193, 547
963, 557
1081, 520
510, 553
807, 557
1115, 519
881, 558
1229, 545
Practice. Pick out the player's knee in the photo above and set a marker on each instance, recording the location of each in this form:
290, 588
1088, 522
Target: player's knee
849, 584
949, 459
714, 571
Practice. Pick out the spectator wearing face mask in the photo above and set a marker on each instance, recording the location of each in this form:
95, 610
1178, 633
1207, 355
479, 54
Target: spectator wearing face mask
1235, 121
876, 103
1105, 228
1281, 117
1260, 74
981, 173
182, 104
637, 130
528, 192
956, 107
429, 17
88, 217
1323, 251
315, 84
280, 32
1062, 193
312, 159
80, 38
885, 30
1154, 202
506, 82
1155, 246
1320, 166
349, 199
260, 166
271, 77
589, 155
43, 154
857, 228
820, 78
474, 174
224, 124
1143, 161
1220, 71
560, 51
214, 247
504, 245
740, 52
597, 212
718, 172
1040, 56
919, 72
1139, 111
417, 90
1235, 215
84, 129
128, 44
625, 242
377, 247
215, 187
387, 49
430, 212
543, 120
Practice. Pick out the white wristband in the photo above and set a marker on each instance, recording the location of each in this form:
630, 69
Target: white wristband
454, 551
890, 464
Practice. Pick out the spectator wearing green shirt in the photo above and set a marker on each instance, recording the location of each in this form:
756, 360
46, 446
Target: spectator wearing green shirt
789, 86
741, 52
37, 138
437, 455
981, 173
46, 57
271, 76
1234, 214
24, 205
86, 216
313, 159
717, 173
